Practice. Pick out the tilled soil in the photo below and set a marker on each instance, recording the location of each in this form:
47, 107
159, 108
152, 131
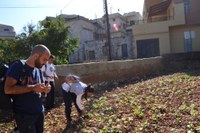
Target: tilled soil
168, 103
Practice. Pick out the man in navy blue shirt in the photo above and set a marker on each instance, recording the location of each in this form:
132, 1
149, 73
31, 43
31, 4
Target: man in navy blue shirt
26, 90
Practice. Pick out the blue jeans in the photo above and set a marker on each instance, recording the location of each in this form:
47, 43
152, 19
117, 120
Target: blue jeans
30, 123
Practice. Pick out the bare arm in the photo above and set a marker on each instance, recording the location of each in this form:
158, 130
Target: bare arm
11, 87
55, 75
78, 102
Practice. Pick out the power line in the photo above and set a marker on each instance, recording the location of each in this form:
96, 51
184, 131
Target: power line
78, 15
28, 6
64, 7
89, 11
94, 7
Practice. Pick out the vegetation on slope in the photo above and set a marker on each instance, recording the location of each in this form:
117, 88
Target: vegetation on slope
165, 103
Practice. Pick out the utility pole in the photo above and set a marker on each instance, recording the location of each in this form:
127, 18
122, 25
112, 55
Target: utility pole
108, 31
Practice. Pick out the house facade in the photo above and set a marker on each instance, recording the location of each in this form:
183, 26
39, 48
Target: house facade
7, 32
121, 37
92, 37
83, 29
168, 26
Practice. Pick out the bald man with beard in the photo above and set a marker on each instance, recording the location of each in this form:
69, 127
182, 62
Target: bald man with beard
26, 92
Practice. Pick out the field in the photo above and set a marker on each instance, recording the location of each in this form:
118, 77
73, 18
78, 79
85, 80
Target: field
160, 103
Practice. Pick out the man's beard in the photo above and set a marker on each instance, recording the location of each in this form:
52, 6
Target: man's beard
38, 64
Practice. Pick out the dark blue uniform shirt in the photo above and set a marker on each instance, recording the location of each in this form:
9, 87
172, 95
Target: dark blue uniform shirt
27, 103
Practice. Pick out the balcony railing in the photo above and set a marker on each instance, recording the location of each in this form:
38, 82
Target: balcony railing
156, 19
7, 34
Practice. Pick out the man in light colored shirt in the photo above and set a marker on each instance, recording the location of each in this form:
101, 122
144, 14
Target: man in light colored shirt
49, 73
73, 90
77, 88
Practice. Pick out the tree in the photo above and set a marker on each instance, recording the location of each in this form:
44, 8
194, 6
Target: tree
7, 50
27, 40
56, 38
51, 32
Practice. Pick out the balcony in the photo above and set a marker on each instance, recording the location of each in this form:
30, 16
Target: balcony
7, 34
155, 19
159, 8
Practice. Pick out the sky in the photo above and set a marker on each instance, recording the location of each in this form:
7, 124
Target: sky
20, 13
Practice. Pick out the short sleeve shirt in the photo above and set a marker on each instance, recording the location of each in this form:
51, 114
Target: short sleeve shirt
27, 103
50, 70
77, 87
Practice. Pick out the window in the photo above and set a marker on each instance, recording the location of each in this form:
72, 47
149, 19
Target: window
105, 50
88, 34
124, 26
188, 36
91, 55
186, 6
148, 48
6, 29
124, 51
132, 22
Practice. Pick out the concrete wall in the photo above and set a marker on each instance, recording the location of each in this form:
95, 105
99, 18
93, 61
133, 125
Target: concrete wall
97, 72
177, 38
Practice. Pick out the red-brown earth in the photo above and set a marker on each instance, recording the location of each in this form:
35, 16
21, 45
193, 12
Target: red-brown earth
168, 103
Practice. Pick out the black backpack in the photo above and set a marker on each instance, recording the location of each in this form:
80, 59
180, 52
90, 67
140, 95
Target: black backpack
3, 70
5, 99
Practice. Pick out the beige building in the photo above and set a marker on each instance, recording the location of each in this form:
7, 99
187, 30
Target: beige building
83, 29
169, 26
7, 32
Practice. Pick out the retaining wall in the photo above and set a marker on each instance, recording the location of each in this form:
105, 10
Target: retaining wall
96, 72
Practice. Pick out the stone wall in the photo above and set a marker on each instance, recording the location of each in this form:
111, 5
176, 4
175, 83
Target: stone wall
97, 72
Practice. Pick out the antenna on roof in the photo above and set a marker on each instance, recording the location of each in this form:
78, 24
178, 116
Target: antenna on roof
95, 16
111, 10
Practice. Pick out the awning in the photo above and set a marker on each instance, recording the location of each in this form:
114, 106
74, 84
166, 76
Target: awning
159, 8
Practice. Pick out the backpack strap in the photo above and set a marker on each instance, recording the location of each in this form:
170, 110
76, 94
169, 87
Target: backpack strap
45, 67
39, 71
23, 71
